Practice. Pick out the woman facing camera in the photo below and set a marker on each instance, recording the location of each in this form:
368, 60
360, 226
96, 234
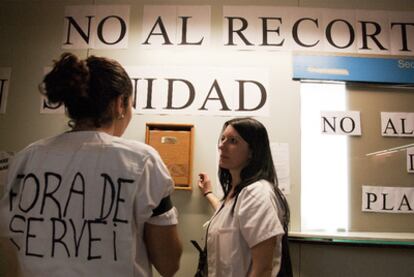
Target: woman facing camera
245, 234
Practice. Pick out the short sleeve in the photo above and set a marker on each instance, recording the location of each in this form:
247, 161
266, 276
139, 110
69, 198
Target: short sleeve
257, 213
154, 185
167, 218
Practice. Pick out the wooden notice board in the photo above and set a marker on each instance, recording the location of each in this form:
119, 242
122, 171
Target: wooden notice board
174, 143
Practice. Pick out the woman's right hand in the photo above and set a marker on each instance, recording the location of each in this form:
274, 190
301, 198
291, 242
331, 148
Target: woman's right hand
204, 183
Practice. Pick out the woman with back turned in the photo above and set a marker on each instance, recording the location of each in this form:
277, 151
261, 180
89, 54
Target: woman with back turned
246, 235
88, 202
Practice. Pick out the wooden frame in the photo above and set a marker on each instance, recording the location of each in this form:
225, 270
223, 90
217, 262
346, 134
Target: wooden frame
174, 143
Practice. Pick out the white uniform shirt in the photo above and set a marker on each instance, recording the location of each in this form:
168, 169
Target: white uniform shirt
76, 204
230, 236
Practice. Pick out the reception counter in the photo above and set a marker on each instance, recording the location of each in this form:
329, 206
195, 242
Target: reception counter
349, 254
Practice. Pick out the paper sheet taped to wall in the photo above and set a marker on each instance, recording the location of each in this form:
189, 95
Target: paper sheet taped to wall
5, 159
280, 154
387, 199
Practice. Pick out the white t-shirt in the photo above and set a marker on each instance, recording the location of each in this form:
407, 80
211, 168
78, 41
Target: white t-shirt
231, 235
76, 204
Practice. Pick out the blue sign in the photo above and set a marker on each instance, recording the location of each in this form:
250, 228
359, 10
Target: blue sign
354, 69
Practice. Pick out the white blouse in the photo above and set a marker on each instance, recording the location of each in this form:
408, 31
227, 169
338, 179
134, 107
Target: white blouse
76, 205
231, 235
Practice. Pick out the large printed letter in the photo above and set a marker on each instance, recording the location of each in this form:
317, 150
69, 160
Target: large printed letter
85, 35
163, 32
238, 32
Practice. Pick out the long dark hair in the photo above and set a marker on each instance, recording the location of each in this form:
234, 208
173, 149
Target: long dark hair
87, 88
260, 165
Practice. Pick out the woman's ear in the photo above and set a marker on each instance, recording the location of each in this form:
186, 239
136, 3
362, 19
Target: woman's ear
119, 107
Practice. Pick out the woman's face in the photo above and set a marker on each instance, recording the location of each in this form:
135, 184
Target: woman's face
234, 151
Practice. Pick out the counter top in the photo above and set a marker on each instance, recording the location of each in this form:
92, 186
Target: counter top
360, 238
